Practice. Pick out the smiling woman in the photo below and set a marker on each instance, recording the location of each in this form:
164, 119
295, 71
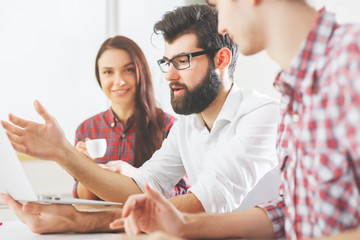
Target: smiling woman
48, 50
133, 126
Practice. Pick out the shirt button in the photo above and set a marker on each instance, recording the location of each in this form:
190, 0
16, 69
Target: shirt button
292, 164
295, 118
291, 211
112, 124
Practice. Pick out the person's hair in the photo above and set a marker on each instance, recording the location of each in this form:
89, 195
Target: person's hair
202, 21
148, 118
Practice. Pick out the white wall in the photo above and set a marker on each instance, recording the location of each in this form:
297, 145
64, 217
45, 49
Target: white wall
259, 71
137, 23
47, 52
48, 48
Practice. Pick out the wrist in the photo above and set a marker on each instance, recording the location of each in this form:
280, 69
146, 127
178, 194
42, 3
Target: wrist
186, 229
95, 221
64, 152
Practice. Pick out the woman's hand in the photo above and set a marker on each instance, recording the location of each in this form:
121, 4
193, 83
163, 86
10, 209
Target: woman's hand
81, 147
121, 167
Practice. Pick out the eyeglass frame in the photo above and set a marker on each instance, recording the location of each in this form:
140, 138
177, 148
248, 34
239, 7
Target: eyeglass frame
188, 55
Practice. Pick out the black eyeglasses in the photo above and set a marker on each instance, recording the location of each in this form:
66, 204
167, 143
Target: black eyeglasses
182, 61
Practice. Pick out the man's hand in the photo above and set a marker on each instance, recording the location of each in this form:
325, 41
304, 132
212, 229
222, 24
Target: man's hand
149, 212
44, 218
152, 236
42, 141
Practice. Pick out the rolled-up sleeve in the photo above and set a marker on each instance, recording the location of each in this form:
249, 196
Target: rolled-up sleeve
275, 210
165, 168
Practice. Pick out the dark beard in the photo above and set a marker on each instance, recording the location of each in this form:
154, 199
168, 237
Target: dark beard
200, 98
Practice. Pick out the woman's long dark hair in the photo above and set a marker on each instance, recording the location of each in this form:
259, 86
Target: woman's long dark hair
148, 118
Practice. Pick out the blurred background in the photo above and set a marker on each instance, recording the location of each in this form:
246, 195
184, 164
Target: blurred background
48, 48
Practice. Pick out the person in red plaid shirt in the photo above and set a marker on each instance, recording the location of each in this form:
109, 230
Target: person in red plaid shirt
318, 142
122, 72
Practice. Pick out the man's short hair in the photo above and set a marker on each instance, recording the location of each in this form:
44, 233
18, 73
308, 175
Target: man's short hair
202, 20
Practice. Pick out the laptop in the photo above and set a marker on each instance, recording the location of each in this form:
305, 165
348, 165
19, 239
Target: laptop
14, 181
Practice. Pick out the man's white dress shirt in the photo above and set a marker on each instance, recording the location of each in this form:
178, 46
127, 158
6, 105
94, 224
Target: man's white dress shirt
223, 164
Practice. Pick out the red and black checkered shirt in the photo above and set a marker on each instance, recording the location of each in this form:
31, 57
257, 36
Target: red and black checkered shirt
319, 135
120, 140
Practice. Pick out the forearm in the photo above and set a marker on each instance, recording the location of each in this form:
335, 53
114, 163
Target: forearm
351, 234
96, 221
84, 193
106, 185
187, 203
250, 223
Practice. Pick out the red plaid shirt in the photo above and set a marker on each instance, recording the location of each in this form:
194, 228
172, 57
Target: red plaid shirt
120, 140
319, 135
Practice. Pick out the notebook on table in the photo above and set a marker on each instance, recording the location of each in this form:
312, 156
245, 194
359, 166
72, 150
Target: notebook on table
15, 182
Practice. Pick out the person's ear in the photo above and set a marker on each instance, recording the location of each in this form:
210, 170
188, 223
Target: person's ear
222, 58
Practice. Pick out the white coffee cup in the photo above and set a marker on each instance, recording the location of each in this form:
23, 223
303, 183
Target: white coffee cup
96, 147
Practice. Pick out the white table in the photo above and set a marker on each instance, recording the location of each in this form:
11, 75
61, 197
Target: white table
12, 228
17, 230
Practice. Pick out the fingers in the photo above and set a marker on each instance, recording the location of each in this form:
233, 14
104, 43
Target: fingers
28, 208
18, 121
16, 143
16, 207
113, 163
81, 146
131, 227
14, 134
154, 194
139, 200
113, 169
11, 128
10, 201
117, 224
2, 200
132, 203
40, 109
114, 166
33, 208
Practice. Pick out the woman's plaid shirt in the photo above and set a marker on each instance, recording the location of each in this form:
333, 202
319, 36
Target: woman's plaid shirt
120, 141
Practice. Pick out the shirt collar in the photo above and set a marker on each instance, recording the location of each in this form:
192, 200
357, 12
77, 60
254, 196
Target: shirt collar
312, 48
227, 111
230, 106
111, 119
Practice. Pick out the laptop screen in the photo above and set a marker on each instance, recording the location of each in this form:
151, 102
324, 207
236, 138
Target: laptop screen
13, 179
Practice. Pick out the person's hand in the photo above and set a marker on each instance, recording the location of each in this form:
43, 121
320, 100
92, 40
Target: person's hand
152, 236
149, 212
81, 147
121, 167
44, 218
43, 141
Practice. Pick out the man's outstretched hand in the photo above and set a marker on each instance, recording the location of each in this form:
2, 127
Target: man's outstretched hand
44, 141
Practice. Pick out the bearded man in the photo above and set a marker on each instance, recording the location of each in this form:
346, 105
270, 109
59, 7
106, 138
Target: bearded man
224, 139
